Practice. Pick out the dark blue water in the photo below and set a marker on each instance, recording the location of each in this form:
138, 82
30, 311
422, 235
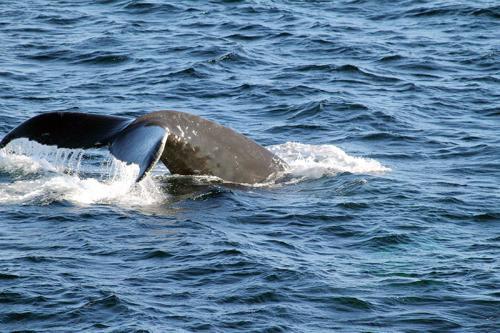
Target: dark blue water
387, 111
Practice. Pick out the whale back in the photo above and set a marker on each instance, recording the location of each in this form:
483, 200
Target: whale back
197, 146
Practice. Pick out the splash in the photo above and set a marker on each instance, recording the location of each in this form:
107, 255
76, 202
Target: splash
39, 174
24, 157
44, 174
315, 161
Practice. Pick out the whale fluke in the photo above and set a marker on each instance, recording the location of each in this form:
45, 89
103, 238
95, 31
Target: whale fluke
141, 144
185, 143
69, 129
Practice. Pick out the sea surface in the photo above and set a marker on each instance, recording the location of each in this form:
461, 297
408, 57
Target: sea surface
387, 219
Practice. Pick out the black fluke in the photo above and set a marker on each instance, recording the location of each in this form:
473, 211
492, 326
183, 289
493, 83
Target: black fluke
185, 143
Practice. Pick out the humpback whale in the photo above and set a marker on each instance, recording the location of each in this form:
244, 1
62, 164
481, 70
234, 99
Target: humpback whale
187, 144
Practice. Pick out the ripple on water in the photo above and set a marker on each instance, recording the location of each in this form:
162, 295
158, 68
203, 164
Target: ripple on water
345, 92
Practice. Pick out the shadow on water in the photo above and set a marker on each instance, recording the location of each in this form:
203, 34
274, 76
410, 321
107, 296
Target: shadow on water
181, 188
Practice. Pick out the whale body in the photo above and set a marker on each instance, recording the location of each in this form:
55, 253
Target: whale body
187, 144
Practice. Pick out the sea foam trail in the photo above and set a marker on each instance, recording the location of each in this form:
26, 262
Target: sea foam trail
44, 174
315, 161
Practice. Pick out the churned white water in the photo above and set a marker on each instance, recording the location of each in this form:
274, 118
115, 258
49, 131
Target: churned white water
43, 174
315, 161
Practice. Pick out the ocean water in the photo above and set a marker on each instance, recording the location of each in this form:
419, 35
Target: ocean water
387, 112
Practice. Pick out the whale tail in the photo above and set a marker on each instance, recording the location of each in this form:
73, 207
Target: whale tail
69, 129
185, 143
140, 144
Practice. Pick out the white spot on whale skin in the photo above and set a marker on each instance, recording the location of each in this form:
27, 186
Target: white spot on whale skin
180, 129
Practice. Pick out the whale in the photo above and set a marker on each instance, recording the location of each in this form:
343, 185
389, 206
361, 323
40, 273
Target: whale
185, 143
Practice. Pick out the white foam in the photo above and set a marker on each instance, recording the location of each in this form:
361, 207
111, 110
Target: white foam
22, 156
68, 174
315, 161
44, 174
